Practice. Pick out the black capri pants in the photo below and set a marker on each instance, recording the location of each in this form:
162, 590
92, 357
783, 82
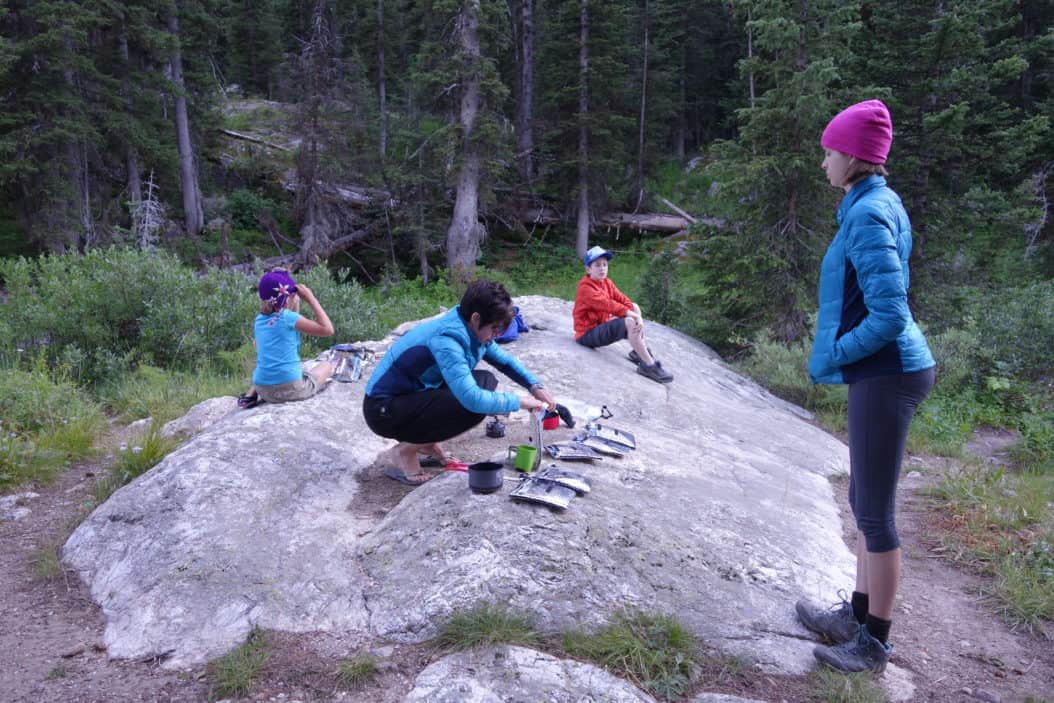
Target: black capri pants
880, 412
425, 417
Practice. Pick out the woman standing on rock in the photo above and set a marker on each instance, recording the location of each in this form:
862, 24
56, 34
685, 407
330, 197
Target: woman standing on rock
866, 337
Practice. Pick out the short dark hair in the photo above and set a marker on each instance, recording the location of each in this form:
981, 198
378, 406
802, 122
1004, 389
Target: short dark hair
490, 300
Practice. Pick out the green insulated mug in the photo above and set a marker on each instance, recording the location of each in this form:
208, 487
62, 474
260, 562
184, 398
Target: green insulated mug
523, 456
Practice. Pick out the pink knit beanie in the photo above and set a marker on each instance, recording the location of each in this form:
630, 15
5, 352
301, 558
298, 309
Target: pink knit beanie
864, 130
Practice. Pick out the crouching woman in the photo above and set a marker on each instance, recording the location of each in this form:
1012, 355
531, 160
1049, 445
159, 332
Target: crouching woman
426, 388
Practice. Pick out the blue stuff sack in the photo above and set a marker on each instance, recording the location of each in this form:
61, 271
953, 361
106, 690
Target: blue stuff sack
512, 332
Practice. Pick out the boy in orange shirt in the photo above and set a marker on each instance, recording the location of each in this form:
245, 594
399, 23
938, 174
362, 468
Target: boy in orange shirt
604, 315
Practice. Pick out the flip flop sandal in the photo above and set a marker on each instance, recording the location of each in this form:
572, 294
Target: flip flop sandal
401, 477
248, 401
429, 461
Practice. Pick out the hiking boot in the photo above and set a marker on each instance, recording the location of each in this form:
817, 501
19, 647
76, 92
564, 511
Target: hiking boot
862, 653
655, 372
635, 357
835, 624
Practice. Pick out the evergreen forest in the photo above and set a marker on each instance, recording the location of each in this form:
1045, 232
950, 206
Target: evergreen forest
156, 154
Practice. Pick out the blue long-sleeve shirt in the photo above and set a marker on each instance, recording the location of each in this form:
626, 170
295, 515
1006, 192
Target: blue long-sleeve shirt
445, 351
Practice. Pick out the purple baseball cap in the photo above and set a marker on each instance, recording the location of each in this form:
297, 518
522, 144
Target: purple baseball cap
276, 287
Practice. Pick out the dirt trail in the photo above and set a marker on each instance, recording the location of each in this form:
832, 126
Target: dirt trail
51, 632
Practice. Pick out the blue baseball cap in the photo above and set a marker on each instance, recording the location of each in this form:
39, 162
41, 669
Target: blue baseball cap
596, 253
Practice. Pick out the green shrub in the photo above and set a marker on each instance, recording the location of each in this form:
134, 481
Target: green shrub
1016, 326
1035, 451
357, 314
22, 461
43, 424
391, 304
244, 208
960, 359
782, 369
537, 269
98, 311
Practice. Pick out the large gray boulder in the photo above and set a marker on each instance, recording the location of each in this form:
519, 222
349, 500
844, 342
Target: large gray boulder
275, 517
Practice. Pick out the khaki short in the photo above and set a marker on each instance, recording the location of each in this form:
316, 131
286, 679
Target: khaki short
301, 389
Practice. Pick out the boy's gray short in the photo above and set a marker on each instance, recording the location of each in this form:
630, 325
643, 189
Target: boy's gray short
605, 334
301, 389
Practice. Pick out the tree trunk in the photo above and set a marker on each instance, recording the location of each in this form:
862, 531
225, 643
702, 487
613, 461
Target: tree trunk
643, 111
77, 159
382, 87
308, 210
682, 84
192, 213
750, 54
135, 183
525, 105
582, 231
465, 232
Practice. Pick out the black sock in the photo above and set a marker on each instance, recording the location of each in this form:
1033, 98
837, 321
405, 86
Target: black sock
859, 602
878, 628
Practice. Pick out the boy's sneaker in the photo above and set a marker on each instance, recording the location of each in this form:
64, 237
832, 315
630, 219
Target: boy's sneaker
655, 372
862, 653
635, 357
835, 624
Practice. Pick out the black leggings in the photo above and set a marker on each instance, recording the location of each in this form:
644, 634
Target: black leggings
880, 412
425, 417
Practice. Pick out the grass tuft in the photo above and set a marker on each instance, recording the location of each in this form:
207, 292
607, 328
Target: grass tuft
165, 395
46, 562
830, 686
487, 624
655, 652
1001, 524
357, 670
44, 423
234, 673
141, 455
59, 672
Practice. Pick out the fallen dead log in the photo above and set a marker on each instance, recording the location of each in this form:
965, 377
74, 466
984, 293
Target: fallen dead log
254, 140
653, 222
356, 196
300, 257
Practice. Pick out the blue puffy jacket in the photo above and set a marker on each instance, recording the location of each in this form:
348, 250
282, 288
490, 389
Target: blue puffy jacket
444, 351
864, 327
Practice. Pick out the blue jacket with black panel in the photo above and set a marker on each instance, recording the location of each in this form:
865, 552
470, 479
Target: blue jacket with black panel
444, 351
864, 327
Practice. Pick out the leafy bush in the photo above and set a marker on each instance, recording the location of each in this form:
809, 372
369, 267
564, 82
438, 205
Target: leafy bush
57, 413
1016, 327
186, 330
244, 208
391, 304
43, 423
781, 368
99, 311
